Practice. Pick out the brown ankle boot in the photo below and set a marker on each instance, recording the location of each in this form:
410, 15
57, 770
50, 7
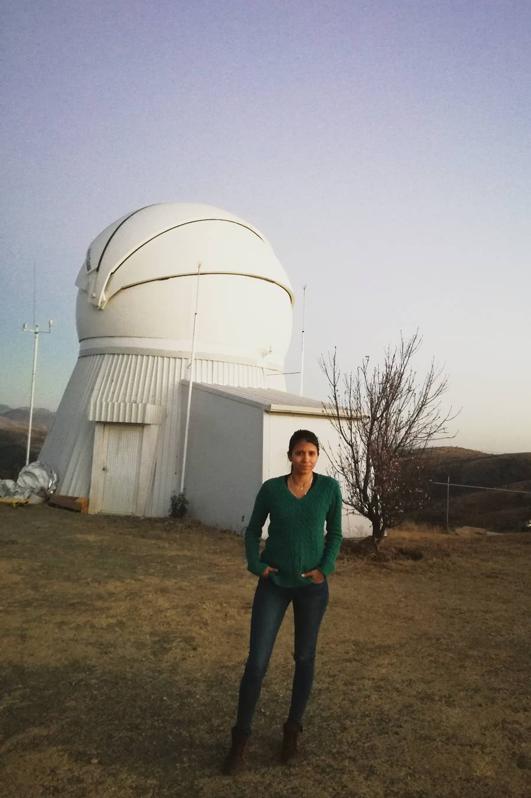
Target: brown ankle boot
289, 741
234, 759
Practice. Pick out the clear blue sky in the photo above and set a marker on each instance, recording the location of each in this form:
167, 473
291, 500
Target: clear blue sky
384, 148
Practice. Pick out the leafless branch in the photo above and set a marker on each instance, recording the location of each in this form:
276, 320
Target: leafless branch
385, 416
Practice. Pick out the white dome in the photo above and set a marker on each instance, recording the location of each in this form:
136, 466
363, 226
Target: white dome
138, 284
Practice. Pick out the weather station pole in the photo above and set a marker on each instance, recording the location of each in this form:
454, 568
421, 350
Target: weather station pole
190, 383
301, 385
35, 329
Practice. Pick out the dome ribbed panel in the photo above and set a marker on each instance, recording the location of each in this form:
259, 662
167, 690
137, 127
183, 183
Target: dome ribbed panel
68, 445
216, 372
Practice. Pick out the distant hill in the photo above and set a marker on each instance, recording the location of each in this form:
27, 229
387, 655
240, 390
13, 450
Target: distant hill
14, 434
491, 509
468, 507
41, 416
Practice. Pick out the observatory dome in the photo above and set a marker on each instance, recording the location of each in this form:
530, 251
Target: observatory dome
142, 274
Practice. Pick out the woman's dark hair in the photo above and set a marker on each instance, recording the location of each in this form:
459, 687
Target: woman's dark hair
303, 435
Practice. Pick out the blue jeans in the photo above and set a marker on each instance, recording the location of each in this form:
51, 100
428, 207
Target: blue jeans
269, 607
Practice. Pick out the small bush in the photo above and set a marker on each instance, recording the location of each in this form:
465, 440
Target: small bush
179, 505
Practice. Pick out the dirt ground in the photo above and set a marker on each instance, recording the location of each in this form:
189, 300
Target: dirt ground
123, 641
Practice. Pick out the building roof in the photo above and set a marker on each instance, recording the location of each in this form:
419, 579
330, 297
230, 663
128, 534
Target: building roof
270, 400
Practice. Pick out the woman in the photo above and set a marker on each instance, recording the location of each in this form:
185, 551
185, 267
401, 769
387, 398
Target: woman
297, 558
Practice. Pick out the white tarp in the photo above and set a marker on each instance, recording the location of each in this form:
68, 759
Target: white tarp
35, 483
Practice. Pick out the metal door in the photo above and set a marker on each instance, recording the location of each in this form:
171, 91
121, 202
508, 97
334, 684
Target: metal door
119, 469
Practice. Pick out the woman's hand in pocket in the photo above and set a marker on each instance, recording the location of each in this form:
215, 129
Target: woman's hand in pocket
315, 575
268, 570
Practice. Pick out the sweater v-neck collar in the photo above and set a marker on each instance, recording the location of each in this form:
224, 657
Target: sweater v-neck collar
300, 498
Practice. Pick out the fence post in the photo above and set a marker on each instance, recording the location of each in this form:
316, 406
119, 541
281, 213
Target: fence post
448, 504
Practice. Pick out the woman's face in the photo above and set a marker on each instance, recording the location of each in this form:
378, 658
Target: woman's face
303, 458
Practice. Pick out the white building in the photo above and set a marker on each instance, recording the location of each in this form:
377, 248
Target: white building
119, 430
244, 433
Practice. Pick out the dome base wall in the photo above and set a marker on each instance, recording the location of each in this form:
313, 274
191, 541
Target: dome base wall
109, 392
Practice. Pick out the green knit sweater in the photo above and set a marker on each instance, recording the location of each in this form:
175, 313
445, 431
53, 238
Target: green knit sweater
297, 540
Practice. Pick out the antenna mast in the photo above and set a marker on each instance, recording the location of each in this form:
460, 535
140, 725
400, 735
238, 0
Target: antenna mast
35, 329
301, 386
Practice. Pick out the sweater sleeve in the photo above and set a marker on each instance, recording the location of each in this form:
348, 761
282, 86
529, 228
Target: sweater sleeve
253, 532
334, 535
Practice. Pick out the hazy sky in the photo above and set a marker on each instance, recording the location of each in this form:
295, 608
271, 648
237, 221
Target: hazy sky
384, 148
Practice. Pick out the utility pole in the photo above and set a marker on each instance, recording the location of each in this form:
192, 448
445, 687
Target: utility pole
35, 329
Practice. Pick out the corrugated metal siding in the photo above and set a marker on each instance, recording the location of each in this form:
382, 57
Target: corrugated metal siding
68, 445
166, 383
125, 412
125, 378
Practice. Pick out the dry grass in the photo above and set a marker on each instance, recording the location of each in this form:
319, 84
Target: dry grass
123, 642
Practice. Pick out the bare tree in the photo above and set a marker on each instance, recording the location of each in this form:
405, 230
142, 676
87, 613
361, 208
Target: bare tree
385, 416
